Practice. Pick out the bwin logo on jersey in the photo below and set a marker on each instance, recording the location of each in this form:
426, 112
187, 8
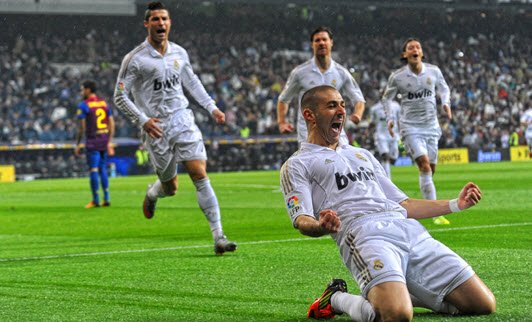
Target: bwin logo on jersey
363, 175
167, 83
424, 93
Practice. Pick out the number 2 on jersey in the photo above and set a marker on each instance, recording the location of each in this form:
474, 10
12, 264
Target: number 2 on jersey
100, 116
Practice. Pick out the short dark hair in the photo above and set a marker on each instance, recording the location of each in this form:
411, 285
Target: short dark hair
404, 47
90, 85
310, 97
321, 29
155, 5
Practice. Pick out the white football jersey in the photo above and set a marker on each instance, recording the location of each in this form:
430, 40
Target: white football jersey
419, 113
155, 82
308, 75
348, 180
527, 119
379, 118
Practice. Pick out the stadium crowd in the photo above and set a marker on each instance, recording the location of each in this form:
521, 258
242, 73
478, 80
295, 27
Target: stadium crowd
483, 56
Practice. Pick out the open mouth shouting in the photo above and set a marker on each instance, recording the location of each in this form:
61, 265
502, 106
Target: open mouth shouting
332, 132
336, 126
160, 33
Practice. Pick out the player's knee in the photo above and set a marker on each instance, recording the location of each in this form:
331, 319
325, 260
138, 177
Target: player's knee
393, 312
484, 306
94, 170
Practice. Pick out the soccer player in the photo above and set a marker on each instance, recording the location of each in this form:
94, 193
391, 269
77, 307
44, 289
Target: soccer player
96, 122
526, 120
321, 69
418, 83
337, 189
387, 145
154, 75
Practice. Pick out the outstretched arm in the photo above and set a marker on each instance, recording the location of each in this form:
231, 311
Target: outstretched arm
421, 208
328, 223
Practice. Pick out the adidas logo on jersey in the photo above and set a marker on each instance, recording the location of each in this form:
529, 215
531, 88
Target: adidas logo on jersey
363, 175
327, 161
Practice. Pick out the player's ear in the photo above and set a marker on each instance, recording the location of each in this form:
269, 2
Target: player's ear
308, 115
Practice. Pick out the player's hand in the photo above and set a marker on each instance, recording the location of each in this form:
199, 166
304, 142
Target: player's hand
110, 149
329, 221
286, 127
448, 111
219, 116
77, 150
390, 128
152, 129
355, 118
469, 196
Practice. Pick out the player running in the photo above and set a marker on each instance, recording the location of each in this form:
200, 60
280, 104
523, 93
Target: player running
387, 145
321, 69
96, 122
418, 83
337, 189
154, 74
526, 120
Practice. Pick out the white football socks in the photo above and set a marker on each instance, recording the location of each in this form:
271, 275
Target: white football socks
358, 308
209, 205
156, 191
426, 185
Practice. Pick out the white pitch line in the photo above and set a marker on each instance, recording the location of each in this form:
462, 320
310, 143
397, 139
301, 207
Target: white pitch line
258, 242
479, 227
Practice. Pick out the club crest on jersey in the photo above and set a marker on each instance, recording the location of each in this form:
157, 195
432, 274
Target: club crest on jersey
429, 81
342, 180
333, 83
361, 157
176, 64
378, 265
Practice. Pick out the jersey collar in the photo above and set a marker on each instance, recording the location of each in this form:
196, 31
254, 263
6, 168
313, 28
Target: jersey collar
316, 147
154, 52
317, 69
414, 74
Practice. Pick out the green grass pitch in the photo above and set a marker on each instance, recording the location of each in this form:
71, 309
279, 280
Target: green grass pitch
61, 262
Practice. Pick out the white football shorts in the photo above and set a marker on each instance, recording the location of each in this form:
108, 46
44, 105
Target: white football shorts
419, 144
528, 137
387, 145
389, 248
181, 141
